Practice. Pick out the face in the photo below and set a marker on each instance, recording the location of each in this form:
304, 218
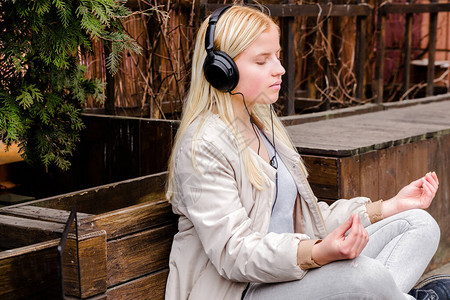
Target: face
260, 69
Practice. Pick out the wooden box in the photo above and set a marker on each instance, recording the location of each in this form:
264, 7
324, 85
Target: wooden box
125, 235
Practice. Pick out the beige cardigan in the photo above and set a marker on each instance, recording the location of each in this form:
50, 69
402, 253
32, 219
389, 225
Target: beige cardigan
222, 241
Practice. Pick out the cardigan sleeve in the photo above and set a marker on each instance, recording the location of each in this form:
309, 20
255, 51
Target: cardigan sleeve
339, 212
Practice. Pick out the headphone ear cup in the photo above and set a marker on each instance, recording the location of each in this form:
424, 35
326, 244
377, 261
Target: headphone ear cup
221, 71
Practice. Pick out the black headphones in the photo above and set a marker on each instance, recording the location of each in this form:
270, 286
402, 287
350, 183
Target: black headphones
220, 69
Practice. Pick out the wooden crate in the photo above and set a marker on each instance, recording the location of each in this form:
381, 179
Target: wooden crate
125, 235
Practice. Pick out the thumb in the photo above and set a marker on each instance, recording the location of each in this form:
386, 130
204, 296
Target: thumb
417, 183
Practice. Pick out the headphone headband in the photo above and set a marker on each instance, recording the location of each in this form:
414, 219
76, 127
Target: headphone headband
209, 38
219, 68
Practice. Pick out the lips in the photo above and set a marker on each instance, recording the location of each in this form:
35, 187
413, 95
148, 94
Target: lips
276, 84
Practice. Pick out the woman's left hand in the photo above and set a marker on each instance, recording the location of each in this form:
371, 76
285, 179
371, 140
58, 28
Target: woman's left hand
417, 194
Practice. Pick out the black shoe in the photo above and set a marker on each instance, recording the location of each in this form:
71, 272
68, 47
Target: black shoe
436, 287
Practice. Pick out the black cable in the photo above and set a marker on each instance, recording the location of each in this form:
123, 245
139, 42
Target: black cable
251, 119
273, 161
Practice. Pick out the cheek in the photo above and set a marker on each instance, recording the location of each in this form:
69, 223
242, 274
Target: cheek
251, 83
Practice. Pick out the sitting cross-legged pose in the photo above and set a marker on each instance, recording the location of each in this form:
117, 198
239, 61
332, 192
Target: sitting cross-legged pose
249, 224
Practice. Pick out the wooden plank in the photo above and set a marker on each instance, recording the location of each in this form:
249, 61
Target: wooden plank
407, 50
387, 173
141, 288
139, 254
360, 55
368, 170
432, 36
404, 166
17, 232
92, 254
41, 213
109, 197
349, 177
293, 10
413, 8
379, 64
355, 135
323, 175
131, 219
420, 152
30, 272
287, 32
327, 115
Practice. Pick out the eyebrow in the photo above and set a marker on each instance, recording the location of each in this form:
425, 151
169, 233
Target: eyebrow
268, 53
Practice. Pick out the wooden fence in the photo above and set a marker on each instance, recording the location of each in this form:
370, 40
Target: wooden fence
324, 89
408, 9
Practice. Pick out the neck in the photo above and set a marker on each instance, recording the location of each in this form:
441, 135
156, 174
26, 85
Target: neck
241, 112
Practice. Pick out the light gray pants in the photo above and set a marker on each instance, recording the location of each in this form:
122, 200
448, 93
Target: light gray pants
399, 249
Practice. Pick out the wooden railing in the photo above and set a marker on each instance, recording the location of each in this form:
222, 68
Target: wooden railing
408, 9
287, 13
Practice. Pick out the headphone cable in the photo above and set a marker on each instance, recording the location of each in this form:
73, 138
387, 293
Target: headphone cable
273, 160
251, 119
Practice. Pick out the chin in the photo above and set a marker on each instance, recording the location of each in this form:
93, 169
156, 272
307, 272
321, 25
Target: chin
267, 98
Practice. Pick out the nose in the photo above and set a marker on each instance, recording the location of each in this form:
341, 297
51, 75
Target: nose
278, 69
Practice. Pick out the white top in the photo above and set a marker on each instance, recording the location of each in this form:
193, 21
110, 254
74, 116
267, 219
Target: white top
281, 220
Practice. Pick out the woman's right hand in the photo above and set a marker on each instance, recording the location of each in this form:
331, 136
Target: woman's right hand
337, 246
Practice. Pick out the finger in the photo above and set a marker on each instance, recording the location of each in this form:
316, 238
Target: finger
355, 231
352, 237
427, 196
341, 230
432, 179
431, 189
418, 183
360, 232
362, 242
435, 177
359, 238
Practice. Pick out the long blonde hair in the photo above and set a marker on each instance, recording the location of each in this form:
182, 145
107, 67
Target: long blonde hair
236, 30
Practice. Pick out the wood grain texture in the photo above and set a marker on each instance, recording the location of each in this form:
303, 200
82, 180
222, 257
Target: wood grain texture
41, 213
92, 254
387, 173
109, 197
18, 232
349, 177
323, 175
363, 133
30, 272
369, 175
131, 219
151, 286
139, 254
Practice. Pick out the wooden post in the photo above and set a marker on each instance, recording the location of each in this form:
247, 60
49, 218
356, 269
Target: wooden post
327, 51
379, 68
92, 255
289, 64
431, 51
407, 51
360, 55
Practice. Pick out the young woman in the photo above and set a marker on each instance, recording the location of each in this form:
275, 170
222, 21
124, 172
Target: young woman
250, 226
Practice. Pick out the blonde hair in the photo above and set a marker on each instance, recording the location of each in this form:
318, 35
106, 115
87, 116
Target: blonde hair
236, 30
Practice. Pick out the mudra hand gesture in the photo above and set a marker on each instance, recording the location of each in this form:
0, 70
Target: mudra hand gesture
337, 246
417, 194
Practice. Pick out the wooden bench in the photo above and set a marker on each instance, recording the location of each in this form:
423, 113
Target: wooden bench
125, 235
